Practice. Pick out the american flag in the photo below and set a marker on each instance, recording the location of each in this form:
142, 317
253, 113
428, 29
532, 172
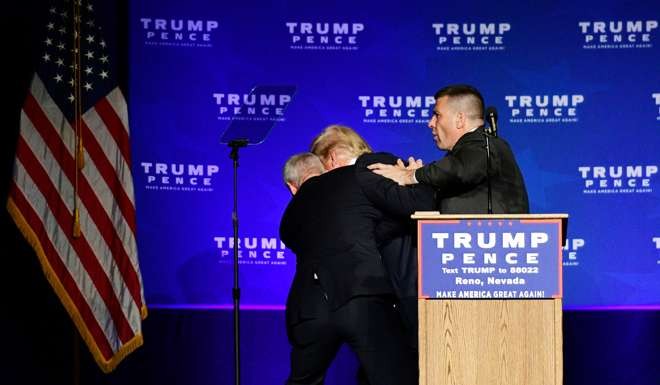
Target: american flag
72, 191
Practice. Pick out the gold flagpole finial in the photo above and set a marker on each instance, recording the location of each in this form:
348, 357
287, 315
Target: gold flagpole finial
76, 223
80, 153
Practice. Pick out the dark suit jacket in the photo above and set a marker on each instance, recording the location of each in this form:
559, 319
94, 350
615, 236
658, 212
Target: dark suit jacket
460, 178
396, 233
330, 224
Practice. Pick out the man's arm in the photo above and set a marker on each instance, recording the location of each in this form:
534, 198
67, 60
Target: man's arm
388, 195
460, 170
455, 171
396, 172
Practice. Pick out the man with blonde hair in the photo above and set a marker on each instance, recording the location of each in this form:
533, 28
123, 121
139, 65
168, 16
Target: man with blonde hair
339, 145
341, 292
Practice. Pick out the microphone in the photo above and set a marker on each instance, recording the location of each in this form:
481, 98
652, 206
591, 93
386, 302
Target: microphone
491, 116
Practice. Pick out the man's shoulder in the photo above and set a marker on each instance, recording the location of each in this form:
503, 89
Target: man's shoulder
469, 143
311, 183
306, 197
375, 157
336, 174
321, 184
476, 136
502, 142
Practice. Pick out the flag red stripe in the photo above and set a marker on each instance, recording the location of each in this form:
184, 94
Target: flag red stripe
62, 273
109, 174
115, 127
80, 245
104, 167
89, 199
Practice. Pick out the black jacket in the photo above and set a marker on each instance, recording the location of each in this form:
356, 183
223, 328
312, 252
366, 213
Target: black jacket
460, 178
331, 226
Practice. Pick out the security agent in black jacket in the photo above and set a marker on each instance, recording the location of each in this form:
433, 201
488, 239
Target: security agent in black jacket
460, 177
341, 291
461, 181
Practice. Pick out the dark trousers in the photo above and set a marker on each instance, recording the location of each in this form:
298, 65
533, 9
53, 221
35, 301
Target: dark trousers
373, 329
408, 311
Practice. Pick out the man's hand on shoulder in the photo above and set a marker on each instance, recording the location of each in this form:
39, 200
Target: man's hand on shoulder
413, 164
400, 173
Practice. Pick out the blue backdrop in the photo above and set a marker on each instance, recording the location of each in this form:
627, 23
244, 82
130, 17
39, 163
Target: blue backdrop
577, 86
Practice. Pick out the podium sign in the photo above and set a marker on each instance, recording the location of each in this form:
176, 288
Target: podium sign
490, 258
490, 307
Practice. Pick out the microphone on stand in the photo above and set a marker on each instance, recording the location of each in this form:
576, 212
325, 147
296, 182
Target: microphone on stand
491, 116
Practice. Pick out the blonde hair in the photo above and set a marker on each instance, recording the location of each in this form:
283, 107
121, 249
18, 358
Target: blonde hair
340, 137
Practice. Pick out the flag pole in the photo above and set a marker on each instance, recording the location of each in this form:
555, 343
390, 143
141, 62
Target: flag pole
77, 116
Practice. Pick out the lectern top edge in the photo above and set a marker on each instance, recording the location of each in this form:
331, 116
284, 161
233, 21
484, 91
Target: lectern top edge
437, 215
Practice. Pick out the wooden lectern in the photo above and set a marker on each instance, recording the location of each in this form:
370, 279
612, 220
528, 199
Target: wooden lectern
490, 308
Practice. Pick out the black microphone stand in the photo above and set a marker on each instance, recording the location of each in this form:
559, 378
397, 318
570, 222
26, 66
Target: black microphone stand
490, 190
491, 115
236, 291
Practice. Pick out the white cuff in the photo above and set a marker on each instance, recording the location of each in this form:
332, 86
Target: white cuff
414, 178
